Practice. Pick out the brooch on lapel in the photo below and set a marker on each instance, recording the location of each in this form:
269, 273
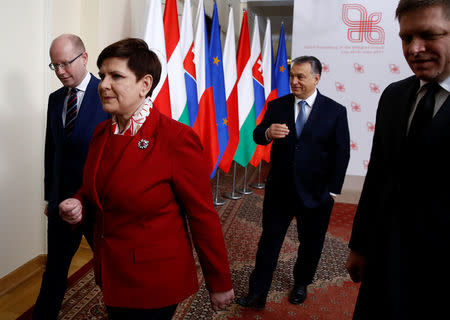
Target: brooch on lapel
143, 144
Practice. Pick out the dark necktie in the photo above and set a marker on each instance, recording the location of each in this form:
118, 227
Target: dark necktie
301, 118
71, 113
424, 112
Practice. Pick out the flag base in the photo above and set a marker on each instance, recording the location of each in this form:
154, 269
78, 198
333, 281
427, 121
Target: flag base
245, 191
257, 185
219, 202
232, 196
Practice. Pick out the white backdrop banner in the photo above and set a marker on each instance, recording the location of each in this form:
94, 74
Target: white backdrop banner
361, 53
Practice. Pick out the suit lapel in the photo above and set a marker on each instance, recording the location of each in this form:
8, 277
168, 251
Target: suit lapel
314, 116
315, 112
86, 114
403, 105
59, 106
286, 114
442, 117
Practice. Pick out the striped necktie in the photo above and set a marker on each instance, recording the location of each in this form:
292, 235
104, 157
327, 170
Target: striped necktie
301, 118
71, 113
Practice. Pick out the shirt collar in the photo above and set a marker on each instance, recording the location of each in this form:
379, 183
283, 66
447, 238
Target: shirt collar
444, 84
310, 100
83, 84
137, 119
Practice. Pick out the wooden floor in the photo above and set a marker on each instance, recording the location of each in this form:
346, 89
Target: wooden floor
20, 299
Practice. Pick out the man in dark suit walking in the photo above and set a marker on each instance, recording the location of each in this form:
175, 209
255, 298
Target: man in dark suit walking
73, 113
401, 228
310, 154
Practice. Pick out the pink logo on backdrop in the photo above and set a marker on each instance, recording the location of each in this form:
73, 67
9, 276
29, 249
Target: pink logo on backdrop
339, 86
370, 126
374, 87
355, 107
366, 164
363, 26
359, 68
353, 145
325, 67
394, 68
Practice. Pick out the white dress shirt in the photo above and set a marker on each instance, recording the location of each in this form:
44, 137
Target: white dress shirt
309, 103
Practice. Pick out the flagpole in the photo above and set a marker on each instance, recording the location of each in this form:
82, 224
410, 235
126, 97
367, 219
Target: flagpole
233, 195
258, 185
218, 201
244, 189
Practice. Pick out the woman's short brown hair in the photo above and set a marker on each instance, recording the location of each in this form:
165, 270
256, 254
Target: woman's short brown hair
140, 59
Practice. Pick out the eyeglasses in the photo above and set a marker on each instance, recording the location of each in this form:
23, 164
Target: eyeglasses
63, 65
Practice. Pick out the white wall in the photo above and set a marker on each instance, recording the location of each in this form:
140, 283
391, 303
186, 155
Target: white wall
23, 90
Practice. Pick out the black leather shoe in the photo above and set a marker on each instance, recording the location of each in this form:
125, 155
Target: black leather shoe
252, 301
298, 294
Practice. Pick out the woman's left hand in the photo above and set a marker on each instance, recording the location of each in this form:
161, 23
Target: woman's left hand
221, 300
71, 211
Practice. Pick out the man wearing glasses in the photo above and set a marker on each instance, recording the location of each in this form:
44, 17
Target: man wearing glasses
73, 113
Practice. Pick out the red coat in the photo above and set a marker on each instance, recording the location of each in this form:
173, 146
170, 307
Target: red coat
142, 252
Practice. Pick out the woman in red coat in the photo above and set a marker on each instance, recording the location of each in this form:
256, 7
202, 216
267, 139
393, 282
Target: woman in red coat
146, 182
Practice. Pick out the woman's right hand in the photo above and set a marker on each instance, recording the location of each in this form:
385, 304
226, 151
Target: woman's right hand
71, 210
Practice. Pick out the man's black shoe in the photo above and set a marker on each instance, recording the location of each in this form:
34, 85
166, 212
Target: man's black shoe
298, 294
252, 301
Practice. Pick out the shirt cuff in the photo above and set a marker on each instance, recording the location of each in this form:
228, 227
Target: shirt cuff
267, 138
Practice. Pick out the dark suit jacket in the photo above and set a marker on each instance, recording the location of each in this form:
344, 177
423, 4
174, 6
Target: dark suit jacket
64, 158
318, 160
403, 216
143, 256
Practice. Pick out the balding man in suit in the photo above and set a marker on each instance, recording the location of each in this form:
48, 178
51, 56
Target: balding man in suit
73, 113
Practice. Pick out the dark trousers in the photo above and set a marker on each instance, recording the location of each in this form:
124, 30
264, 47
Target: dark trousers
278, 212
62, 243
166, 313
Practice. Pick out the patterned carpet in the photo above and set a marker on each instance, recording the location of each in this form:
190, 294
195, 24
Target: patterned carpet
331, 296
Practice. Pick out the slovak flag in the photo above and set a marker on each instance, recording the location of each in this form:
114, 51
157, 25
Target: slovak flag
270, 91
258, 85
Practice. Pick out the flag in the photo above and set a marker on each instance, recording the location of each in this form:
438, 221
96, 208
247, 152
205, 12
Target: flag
230, 76
177, 87
270, 92
258, 85
246, 100
205, 123
220, 101
187, 53
154, 36
281, 68
270, 88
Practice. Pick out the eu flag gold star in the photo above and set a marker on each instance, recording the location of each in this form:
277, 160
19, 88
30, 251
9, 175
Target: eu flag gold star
282, 68
216, 60
225, 121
